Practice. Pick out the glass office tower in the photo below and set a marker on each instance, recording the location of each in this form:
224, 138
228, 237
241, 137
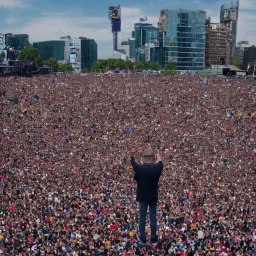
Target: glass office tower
184, 38
89, 53
17, 41
229, 17
144, 34
48, 49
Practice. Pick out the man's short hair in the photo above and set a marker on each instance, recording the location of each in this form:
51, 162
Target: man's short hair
149, 152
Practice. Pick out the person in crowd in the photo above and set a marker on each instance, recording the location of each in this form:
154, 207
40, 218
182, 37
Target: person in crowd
147, 176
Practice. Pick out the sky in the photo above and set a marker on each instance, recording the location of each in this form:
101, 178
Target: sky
51, 19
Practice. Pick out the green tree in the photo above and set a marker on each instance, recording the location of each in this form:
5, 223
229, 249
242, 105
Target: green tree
129, 65
144, 65
238, 64
65, 67
39, 61
170, 66
85, 70
154, 66
95, 66
100, 64
53, 63
28, 53
141, 65
138, 66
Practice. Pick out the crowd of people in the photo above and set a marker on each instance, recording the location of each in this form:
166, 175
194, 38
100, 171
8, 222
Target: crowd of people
66, 181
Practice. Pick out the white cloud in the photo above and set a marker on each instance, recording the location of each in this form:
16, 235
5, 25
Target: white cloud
12, 4
53, 25
247, 4
11, 20
246, 27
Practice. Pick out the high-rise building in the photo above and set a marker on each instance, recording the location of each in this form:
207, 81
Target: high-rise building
119, 55
17, 41
229, 17
249, 60
183, 38
68, 42
53, 48
82, 52
144, 34
239, 51
217, 46
2, 41
132, 49
89, 52
125, 48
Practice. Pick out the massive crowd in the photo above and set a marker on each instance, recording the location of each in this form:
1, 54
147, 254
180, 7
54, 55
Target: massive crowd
66, 181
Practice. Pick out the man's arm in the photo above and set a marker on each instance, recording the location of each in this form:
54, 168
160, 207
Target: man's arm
132, 154
158, 158
133, 162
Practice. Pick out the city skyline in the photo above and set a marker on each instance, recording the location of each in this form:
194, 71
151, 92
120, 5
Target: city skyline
49, 21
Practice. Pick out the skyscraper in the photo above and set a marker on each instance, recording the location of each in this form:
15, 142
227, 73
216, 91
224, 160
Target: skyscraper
89, 52
17, 41
183, 37
218, 43
125, 48
144, 34
132, 49
239, 51
229, 17
249, 60
52, 48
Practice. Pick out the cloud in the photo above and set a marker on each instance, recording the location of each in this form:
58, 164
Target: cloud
246, 27
130, 16
53, 25
247, 5
11, 20
12, 4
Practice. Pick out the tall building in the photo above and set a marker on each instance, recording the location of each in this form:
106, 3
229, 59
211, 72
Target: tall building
239, 51
82, 52
2, 41
249, 60
89, 52
183, 37
119, 55
144, 34
125, 48
229, 17
132, 49
17, 41
217, 46
53, 48
68, 42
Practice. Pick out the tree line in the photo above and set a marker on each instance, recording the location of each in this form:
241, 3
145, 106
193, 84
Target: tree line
113, 64
32, 54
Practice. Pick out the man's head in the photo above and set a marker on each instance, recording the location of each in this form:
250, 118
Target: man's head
148, 154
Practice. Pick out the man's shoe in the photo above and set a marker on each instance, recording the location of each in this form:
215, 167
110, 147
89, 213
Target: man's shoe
142, 240
154, 241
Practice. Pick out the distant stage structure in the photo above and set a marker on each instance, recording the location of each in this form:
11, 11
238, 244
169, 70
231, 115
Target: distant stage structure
114, 14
